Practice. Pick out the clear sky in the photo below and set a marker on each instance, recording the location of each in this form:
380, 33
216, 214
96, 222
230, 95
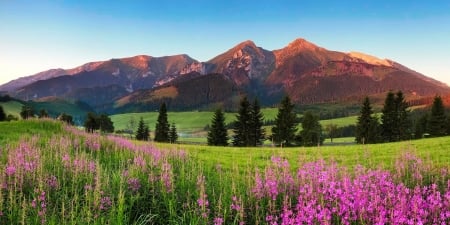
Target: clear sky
39, 35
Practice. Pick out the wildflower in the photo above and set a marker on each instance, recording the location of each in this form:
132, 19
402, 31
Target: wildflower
134, 184
218, 221
10, 170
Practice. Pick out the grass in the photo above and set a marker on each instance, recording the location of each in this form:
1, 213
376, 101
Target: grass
12, 107
188, 122
53, 174
435, 150
190, 125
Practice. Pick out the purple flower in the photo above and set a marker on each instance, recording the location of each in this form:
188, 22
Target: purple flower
134, 184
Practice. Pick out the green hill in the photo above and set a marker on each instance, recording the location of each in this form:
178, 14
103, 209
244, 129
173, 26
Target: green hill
12, 107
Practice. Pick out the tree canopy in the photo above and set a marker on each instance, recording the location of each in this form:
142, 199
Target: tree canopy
367, 127
285, 123
437, 120
217, 134
162, 125
311, 133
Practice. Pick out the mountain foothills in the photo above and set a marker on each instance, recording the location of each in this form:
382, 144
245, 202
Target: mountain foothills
308, 73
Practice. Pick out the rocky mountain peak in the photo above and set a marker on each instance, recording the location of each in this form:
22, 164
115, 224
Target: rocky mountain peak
301, 43
370, 59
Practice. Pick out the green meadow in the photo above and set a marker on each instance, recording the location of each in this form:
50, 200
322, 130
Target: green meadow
56, 174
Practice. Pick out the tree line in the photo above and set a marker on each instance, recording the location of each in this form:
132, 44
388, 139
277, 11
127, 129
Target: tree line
396, 123
164, 132
248, 127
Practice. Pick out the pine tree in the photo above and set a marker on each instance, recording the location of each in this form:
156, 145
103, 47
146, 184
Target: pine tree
438, 119
389, 121
173, 136
285, 123
217, 134
367, 127
257, 133
162, 125
421, 126
242, 124
142, 131
404, 124
2, 114
311, 134
146, 134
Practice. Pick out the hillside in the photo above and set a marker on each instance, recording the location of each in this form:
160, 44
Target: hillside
308, 73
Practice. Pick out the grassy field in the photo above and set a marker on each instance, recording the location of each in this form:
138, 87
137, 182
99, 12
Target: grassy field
190, 125
186, 121
54, 174
12, 107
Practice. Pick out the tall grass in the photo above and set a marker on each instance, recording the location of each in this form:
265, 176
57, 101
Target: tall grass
70, 177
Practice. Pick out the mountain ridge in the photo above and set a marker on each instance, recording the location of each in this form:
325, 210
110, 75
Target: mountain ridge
303, 70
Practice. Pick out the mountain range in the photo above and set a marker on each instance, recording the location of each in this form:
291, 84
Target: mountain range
308, 73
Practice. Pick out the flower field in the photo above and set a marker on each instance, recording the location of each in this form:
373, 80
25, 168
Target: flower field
70, 177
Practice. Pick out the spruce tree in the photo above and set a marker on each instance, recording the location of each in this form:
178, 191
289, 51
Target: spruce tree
367, 127
173, 136
162, 125
141, 130
311, 134
217, 134
285, 123
404, 124
146, 134
242, 125
2, 114
421, 126
438, 119
257, 132
389, 121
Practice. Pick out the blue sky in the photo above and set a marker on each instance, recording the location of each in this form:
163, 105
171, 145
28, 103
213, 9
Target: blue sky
40, 35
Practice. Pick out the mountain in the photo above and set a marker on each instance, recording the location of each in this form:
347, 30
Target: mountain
306, 72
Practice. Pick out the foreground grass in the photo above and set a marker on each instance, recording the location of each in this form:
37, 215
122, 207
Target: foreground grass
435, 151
53, 174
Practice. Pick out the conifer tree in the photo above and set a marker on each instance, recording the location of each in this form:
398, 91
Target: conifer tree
217, 134
257, 133
404, 124
2, 114
173, 136
285, 123
367, 127
142, 132
242, 125
389, 121
311, 134
421, 126
438, 119
162, 125
146, 134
